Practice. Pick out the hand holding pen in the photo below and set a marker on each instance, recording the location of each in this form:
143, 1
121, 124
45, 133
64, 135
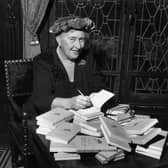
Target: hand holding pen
81, 101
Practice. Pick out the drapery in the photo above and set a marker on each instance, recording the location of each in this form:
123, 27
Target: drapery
33, 13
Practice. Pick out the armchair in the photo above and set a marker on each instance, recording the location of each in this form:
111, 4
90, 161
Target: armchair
18, 74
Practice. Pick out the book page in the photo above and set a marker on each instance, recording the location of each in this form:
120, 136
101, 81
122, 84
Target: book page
99, 98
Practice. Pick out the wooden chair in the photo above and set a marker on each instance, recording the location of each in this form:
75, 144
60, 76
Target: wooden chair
18, 74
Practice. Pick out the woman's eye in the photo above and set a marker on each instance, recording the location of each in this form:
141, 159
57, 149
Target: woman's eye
72, 39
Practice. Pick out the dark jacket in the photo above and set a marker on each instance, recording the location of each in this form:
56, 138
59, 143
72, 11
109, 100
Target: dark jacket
51, 80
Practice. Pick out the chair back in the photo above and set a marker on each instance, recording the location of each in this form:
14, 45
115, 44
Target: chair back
19, 77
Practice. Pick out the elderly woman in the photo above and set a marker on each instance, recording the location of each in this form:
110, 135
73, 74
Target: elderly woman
65, 76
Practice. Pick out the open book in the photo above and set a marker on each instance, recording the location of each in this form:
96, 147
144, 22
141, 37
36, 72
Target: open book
97, 99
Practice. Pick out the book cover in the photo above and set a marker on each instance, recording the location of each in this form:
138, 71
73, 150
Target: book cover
63, 133
146, 137
90, 144
111, 140
52, 117
114, 129
139, 125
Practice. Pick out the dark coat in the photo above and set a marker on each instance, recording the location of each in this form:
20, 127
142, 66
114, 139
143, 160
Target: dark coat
51, 80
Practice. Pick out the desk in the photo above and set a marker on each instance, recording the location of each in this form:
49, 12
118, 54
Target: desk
40, 148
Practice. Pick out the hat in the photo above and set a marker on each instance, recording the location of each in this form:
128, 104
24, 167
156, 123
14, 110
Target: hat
64, 24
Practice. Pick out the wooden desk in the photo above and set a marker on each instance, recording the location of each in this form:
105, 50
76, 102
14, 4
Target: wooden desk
40, 148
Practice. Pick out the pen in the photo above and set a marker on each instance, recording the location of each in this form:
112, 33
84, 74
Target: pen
80, 92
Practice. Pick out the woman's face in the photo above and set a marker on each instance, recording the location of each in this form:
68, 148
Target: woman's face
71, 43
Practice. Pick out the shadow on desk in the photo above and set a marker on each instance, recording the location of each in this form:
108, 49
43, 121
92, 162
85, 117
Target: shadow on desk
45, 159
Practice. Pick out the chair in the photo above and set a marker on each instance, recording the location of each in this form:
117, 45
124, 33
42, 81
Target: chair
18, 74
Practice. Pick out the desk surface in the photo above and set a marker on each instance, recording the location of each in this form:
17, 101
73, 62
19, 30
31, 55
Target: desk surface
40, 147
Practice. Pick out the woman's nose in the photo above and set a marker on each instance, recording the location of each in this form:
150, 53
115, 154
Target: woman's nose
78, 44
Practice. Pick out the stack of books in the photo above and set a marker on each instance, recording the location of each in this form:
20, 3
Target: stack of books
87, 130
46, 122
141, 130
89, 127
155, 147
119, 109
120, 113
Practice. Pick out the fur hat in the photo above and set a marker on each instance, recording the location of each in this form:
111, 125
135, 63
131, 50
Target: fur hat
64, 24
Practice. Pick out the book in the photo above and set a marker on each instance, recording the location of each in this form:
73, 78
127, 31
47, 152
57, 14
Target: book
105, 156
146, 137
93, 125
54, 116
159, 144
43, 130
155, 147
99, 98
150, 154
90, 144
119, 109
88, 113
91, 132
66, 156
108, 155
139, 125
101, 159
111, 140
120, 117
63, 133
114, 129
60, 147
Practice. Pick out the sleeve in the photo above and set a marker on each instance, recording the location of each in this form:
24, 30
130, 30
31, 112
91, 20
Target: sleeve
42, 86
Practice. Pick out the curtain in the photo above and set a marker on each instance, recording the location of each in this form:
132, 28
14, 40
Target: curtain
33, 13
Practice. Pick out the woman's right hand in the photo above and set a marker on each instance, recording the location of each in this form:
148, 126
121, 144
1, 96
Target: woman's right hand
80, 102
